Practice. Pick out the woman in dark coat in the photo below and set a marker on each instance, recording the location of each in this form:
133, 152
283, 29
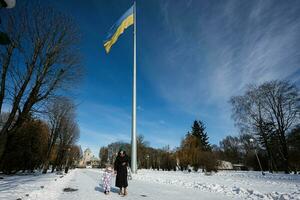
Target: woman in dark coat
120, 167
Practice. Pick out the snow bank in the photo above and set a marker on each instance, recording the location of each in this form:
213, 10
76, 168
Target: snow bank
53, 188
245, 185
33, 186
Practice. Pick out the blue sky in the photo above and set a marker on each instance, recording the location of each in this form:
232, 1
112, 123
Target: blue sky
192, 56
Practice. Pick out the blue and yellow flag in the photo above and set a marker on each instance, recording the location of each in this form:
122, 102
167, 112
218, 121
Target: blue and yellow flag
118, 28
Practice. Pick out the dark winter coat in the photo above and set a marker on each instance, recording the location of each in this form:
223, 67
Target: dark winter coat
120, 166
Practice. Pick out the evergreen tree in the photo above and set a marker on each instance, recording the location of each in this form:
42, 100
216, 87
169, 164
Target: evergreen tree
198, 130
204, 137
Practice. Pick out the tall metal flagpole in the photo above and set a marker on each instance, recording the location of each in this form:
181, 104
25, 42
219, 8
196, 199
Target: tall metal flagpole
133, 128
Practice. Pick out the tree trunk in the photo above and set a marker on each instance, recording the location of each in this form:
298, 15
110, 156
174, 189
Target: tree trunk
285, 155
16, 102
45, 167
3, 142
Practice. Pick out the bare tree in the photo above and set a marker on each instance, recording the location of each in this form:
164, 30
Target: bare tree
47, 61
268, 110
74, 156
57, 111
103, 156
281, 103
248, 115
68, 135
14, 28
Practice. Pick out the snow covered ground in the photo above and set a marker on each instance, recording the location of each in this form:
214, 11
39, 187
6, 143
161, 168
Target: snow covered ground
148, 184
31, 186
243, 185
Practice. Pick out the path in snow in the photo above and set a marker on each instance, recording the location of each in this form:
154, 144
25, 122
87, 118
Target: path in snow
88, 183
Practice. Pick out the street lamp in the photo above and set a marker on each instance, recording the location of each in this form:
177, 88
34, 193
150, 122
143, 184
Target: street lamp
7, 3
4, 38
252, 141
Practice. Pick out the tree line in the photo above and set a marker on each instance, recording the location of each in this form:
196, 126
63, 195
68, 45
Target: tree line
268, 118
193, 152
39, 67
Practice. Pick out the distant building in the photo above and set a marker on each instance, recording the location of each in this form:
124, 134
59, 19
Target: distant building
224, 165
89, 160
95, 162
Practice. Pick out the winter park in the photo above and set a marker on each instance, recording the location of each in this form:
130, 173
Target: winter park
149, 99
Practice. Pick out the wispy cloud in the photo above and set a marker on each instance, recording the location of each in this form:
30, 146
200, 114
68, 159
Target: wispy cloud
205, 53
218, 49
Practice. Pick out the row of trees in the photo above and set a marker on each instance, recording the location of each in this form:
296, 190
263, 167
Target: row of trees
239, 149
195, 151
268, 117
41, 63
148, 157
37, 143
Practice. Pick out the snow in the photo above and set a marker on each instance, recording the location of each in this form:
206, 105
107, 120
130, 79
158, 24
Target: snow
245, 185
22, 185
151, 184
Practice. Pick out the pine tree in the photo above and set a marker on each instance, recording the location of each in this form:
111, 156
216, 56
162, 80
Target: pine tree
204, 137
198, 130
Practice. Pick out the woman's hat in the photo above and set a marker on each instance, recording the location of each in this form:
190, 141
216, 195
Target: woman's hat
122, 149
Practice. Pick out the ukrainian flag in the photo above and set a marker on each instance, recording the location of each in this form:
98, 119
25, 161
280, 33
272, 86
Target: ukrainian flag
118, 28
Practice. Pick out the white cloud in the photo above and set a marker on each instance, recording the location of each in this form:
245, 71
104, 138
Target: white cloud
209, 53
224, 51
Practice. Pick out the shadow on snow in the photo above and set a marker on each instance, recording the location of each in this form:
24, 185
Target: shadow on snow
112, 189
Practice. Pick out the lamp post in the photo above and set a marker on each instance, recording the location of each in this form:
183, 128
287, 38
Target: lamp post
252, 142
67, 162
147, 157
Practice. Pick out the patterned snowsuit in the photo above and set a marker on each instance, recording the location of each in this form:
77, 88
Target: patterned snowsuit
107, 180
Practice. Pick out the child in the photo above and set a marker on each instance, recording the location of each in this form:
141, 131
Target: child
107, 179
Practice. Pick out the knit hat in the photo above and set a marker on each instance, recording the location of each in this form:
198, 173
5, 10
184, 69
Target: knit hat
122, 149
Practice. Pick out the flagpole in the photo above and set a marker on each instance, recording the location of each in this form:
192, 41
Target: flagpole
133, 128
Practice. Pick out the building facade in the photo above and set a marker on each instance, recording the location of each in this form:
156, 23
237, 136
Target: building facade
89, 160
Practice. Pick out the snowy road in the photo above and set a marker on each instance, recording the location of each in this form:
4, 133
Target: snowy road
152, 185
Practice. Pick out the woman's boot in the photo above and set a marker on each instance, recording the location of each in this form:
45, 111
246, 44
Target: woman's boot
125, 191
